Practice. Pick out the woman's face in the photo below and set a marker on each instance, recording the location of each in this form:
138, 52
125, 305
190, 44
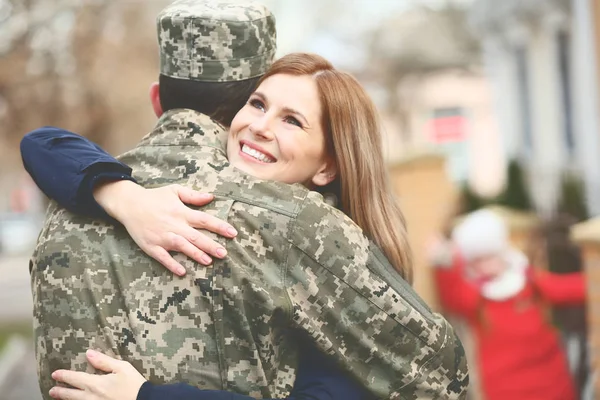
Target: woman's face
278, 135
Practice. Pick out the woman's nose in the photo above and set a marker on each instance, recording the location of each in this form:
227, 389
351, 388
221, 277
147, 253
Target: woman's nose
262, 127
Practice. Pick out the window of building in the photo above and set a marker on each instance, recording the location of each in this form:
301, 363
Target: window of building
523, 97
564, 53
448, 131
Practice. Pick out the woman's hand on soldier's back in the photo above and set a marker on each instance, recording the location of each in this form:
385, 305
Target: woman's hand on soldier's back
159, 221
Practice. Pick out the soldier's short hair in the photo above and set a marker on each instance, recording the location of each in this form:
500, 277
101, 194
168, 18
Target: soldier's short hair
215, 40
219, 100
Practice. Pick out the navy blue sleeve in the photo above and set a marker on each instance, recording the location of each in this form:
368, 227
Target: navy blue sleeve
66, 167
318, 379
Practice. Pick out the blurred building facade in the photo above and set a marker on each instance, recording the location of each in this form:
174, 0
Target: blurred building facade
451, 113
434, 95
541, 57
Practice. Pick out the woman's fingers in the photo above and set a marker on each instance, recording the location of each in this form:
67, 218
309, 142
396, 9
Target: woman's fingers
102, 362
159, 222
178, 244
162, 256
200, 219
203, 242
79, 380
63, 393
192, 250
193, 197
122, 382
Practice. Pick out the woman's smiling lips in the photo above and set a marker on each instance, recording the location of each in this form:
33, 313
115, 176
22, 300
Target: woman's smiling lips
252, 152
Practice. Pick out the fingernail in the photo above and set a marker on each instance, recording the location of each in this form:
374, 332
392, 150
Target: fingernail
52, 392
231, 231
54, 375
91, 353
206, 259
180, 271
221, 252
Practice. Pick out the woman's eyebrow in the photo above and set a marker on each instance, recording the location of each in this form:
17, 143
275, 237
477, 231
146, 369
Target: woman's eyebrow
285, 109
298, 113
262, 96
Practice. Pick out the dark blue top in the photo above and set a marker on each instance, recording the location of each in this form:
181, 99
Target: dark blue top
66, 166
318, 379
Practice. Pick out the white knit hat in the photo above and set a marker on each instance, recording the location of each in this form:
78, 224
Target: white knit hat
481, 233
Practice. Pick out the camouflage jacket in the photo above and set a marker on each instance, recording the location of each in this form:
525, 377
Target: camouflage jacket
296, 263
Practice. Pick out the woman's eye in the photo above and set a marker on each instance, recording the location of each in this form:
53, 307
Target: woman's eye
257, 104
293, 121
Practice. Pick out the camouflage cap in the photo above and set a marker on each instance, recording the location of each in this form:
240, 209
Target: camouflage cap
215, 40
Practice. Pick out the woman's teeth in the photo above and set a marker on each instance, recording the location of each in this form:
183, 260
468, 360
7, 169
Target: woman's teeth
256, 154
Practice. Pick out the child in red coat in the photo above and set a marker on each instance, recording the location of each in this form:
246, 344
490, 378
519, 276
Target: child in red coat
483, 279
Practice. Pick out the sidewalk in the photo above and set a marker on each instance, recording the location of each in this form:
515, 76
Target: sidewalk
18, 376
15, 292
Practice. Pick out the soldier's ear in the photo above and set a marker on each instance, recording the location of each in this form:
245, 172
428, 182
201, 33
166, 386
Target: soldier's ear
155, 99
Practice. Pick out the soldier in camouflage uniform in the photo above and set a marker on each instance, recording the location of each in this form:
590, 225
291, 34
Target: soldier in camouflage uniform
296, 264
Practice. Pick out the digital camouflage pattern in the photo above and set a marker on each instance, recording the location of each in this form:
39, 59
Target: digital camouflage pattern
297, 264
215, 41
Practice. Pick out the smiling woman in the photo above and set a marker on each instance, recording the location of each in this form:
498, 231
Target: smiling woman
277, 135
321, 129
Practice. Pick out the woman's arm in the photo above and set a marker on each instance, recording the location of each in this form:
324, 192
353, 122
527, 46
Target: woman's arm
354, 305
158, 221
66, 167
318, 379
85, 179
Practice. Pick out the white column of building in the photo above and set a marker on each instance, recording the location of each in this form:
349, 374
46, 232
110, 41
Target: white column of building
548, 158
500, 67
585, 101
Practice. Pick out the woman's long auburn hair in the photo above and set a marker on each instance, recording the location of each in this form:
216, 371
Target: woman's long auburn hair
351, 125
